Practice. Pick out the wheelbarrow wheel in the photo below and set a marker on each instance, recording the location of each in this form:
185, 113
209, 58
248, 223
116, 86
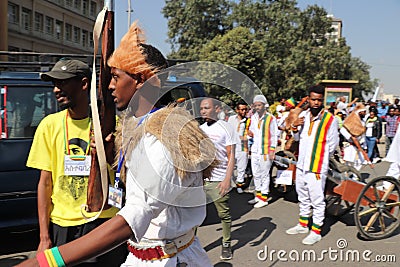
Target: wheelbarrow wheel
280, 189
377, 210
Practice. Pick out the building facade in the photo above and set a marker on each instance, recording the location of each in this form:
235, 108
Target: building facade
48, 26
337, 25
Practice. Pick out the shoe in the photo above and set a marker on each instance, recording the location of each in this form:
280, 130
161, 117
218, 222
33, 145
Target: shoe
226, 253
253, 201
311, 239
376, 160
239, 190
298, 229
261, 204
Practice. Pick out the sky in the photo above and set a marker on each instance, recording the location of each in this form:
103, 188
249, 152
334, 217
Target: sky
371, 28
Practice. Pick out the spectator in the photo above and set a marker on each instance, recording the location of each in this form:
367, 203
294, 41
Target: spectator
390, 128
373, 133
264, 130
218, 183
317, 131
59, 139
342, 105
240, 123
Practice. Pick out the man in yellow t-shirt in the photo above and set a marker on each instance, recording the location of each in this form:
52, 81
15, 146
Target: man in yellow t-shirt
61, 150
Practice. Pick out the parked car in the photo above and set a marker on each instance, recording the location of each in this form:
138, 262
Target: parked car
25, 101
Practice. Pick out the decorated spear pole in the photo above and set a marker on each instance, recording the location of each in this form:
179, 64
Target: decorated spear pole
106, 106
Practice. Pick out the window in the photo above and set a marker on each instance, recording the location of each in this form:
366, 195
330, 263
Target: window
93, 8
91, 39
59, 29
38, 22
85, 7
77, 4
13, 58
68, 3
13, 13
84, 38
49, 25
77, 34
68, 32
26, 19
26, 106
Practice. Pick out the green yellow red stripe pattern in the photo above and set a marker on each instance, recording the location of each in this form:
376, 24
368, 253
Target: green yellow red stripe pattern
266, 135
244, 134
303, 221
316, 228
318, 151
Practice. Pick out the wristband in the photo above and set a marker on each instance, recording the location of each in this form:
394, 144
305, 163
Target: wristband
41, 258
57, 256
50, 258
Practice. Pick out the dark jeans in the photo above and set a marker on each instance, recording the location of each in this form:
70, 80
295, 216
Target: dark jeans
388, 142
61, 235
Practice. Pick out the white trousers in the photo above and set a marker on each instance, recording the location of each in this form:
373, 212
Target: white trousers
260, 167
310, 191
241, 164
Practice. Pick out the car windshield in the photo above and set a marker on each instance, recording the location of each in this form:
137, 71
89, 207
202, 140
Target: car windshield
22, 109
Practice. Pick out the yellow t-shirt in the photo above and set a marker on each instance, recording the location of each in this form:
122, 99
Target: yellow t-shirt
47, 153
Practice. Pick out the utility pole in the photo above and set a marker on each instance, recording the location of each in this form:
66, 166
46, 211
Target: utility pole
130, 10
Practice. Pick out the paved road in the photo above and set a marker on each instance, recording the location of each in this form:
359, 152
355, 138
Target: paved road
258, 235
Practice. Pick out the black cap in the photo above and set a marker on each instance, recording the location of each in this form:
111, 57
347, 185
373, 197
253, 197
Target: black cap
67, 68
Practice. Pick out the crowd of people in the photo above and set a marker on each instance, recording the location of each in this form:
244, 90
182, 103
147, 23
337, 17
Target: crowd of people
172, 167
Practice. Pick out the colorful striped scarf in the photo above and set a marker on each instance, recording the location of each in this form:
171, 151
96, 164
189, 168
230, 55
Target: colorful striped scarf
318, 151
244, 134
265, 134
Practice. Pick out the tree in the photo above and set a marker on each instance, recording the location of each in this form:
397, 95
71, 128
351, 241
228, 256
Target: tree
193, 23
281, 48
239, 49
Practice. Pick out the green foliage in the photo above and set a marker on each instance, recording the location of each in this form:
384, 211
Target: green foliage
283, 49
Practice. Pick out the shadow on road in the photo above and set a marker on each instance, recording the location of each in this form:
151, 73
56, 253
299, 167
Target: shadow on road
253, 232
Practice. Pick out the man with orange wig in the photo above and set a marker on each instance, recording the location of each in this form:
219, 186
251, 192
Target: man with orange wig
161, 166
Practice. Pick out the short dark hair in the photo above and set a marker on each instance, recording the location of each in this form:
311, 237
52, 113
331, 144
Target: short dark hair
318, 89
241, 102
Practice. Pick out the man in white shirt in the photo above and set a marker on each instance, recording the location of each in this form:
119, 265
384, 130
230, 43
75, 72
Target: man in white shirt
317, 131
218, 184
240, 124
264, 130
165, 200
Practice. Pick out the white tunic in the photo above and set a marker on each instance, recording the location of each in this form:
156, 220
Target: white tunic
307, 134
160, 205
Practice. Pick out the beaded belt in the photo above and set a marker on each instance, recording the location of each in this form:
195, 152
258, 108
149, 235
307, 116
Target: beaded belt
146, 251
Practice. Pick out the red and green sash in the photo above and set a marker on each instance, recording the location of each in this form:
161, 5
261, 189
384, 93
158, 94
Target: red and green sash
266, 135
318, 152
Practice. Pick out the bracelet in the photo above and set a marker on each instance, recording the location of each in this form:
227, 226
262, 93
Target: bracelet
41, 258
57, 255
50, 258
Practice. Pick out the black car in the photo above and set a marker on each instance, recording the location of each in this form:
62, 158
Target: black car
25, 101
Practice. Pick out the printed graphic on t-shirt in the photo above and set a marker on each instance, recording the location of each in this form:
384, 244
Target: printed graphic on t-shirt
75, 186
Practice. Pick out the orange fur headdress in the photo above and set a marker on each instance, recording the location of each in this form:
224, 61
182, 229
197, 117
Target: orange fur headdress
128, 56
